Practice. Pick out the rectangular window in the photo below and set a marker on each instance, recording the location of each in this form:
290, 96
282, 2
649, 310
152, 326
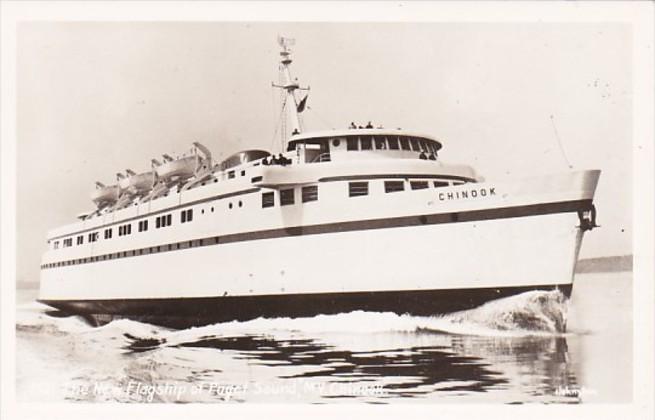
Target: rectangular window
268, 199
351, 143
230, 174
309, 193
366, 143
186, 215
424, 146
286, 197
169, 219
158, 222
356, 189
80, 240
380, 144
394, 186
439, 184
458, 182
93, 237
108, 233
143, 225
56, 244
393, 143
68, 242
404, 143
414, 142
418, 185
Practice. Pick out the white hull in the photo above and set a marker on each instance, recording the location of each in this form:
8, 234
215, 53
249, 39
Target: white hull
520, 234
528, 251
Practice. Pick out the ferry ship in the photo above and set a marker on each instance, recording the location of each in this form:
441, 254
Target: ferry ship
360, 218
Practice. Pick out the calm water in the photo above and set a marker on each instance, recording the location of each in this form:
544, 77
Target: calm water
511, 350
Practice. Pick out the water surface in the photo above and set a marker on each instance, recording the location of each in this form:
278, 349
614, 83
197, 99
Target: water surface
534, 347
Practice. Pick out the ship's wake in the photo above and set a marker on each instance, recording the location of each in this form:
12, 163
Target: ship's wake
535, 313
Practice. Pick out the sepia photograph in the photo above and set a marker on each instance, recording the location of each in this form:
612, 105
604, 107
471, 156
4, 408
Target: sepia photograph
371, 211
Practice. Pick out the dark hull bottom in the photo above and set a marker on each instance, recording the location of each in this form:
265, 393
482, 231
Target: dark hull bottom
189, 312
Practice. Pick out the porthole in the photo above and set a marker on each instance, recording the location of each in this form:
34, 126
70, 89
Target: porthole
336, 142
240, 203
229, 205
212, 209
202, 211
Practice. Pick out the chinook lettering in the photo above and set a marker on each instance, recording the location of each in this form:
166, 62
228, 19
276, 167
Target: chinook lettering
471, 193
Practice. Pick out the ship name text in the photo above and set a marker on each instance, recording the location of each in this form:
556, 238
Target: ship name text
471, 193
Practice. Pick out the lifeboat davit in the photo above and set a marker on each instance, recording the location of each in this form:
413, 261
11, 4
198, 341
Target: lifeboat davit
137, 183
181, 168
105, 195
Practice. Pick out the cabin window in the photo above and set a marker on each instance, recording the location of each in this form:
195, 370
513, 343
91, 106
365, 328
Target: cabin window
124, 230
286, 197
379, 143
56, 244
394, 186
143, 225
336, 142
418, 185
68, 242
309, 193
439, 184
414, 143
243, 173
366, 143
256, 179
393, 143
186, 215
230, 174
93, 237
458, 182
356, 189
108, 233
351, 143
268, 199
163, 221
80, 240
404, 143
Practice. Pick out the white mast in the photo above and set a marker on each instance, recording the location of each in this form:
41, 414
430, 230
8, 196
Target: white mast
289, 86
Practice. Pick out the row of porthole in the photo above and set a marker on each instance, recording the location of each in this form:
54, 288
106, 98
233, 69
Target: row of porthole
231, 205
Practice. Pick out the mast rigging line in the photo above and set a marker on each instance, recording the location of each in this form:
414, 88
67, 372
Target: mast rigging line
559, 142
279, 121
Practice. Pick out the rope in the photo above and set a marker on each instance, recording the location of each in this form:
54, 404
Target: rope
279, 120
559, 142
327, 124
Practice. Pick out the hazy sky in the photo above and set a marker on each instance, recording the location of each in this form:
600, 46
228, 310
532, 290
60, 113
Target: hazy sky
97, 98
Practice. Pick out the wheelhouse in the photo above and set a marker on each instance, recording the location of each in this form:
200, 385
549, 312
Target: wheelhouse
358, 144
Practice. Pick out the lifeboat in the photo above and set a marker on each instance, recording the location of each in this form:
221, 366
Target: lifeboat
137, 183
105, 195
181, 168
